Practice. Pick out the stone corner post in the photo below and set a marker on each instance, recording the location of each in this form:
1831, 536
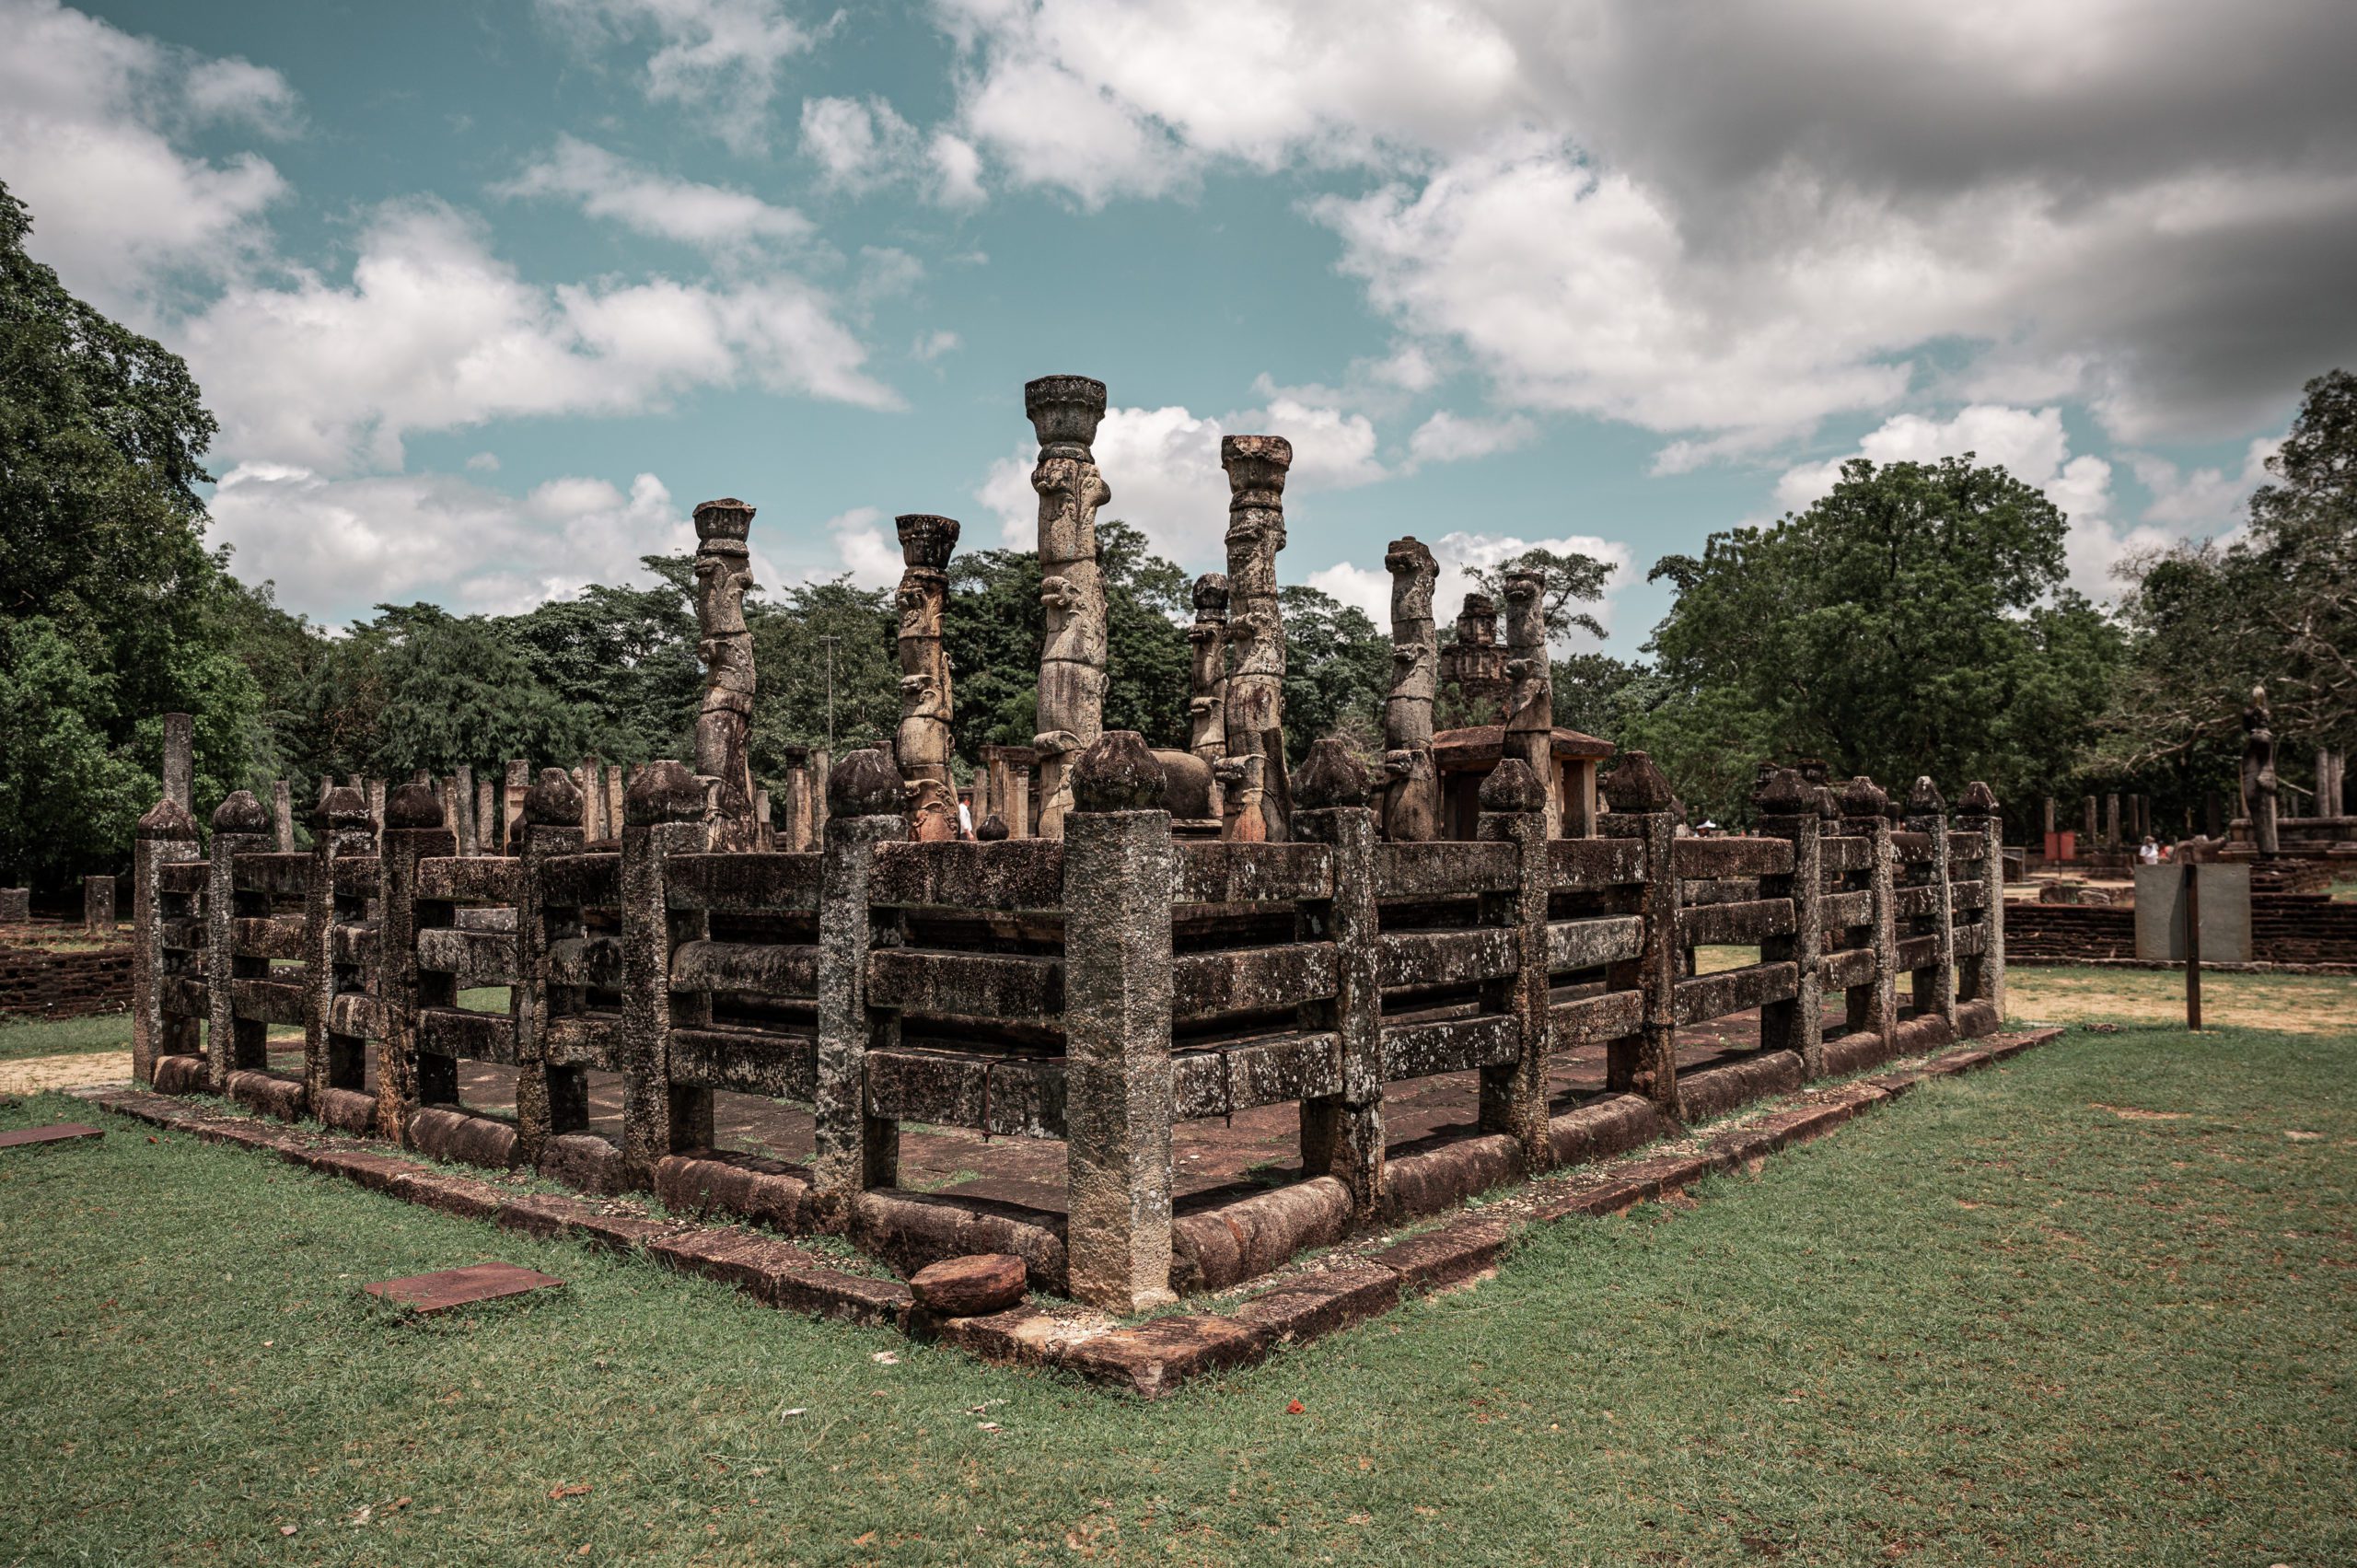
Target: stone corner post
1643, 808
332, 1058
1787, 808
1342, 1135
866, 805
406, 1077
1513, 802
552, 1100
1119, 868
1927, 813
665, 812
1529, 731
1982, 978
167, 836
240, 826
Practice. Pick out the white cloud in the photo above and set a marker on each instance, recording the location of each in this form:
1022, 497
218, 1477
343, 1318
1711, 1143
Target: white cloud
720, 57
2206, 500
1459, 556
336, 546
1163, 466
433, 333
956, 170
86, 116
1726, 233
866, 551
483, 462
1447, 437
605, 186
856, 144
930, 347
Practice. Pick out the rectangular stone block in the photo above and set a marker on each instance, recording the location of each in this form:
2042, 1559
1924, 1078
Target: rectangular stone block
446, 1288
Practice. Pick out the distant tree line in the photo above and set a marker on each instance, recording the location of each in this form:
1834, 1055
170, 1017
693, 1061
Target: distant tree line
1916, 620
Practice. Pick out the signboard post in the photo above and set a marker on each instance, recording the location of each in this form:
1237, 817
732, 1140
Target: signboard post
2193, 913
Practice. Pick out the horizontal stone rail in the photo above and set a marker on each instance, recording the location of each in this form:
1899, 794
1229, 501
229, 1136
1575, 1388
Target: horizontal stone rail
1097, 988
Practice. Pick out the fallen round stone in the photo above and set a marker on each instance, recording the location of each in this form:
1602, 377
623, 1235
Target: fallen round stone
969, 1287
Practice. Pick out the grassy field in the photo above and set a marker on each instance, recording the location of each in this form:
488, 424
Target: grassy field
2093, 1307
21, 1038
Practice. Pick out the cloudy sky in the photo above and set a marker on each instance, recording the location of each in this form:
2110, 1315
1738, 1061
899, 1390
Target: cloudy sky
488, 296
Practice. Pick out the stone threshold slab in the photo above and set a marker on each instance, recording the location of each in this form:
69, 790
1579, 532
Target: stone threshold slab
56, 1133
446, 1288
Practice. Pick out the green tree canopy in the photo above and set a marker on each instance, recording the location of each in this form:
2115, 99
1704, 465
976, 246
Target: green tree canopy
112, 612
1912, 621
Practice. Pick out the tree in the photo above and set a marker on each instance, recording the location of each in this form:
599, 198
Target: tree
113, 611
1912, 621
1338, 672
1591, 690
2207, 622
1570, 578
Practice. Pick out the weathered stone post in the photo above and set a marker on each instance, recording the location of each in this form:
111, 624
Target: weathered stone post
1981, 977
794, 800
1342, 1135
2258, 770
1927, 813
462, 810
375, 788
407, 1078
1514, 1097
179, 760
98, 906
1530, 700
240, 826
490, 828
854, 1151
1875, 1006
2088, 835
334, 1059
2111, 819
1256, 468
166, 836
664, 814
552, 1099
1787, 808
1119, 867
1412, 799
1010, 774
725, 721
922, 746
1643, 808
1064, 411
1207, 679
282, 815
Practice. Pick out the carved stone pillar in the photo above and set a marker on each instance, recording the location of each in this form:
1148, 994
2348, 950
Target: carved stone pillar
725, 721
1207, 678
2258, 770
923, 744
1412, 795
1530, 696
1064, 411
1474, 664
1256, 468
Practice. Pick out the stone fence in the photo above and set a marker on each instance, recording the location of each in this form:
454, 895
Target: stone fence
1095, 989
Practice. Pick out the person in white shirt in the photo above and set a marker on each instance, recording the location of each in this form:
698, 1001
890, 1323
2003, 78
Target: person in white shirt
2149, 852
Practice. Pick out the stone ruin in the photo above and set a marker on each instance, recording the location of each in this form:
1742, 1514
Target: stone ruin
1132, 944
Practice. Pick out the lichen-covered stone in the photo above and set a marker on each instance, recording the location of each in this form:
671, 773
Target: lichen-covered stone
1511, 787
1862, 797
168, 820
1923, 800
1331, 776
1636, 786
866, 783
1978, 800
664, 792
1117, 774
1785, 794
553, 802
993, 828
412, 806
241, 813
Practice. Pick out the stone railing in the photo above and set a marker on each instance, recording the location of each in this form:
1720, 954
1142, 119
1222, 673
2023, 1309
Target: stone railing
1097, 990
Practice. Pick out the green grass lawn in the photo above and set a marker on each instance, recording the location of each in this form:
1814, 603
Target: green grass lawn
21, 1038
2092, 1306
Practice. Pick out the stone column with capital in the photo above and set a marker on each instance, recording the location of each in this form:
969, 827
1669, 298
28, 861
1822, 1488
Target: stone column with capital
1530, 694
921, 745
724, 645
1207, 677
1065, 412
1474, 665
1412, 793
1256, 468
